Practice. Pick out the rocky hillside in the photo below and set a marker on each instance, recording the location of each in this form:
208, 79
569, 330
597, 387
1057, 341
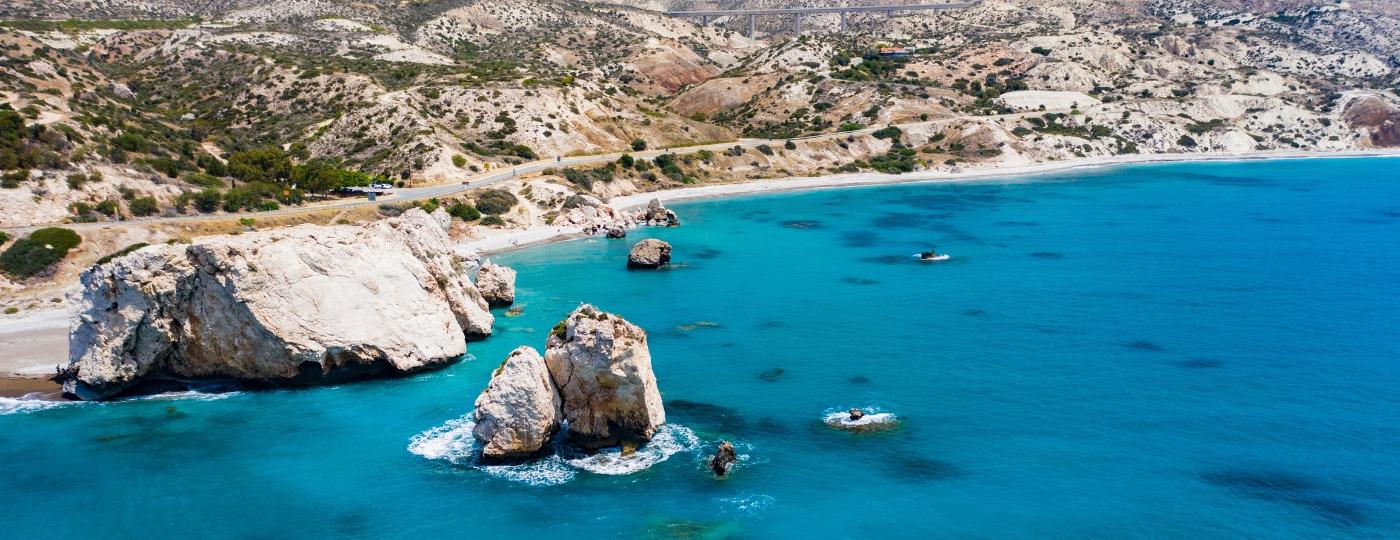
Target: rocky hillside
158, 107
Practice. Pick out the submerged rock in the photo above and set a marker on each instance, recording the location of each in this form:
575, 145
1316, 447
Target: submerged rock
302, 305
724, 459
649, 254
497, 284
520, 409
602, 366
859, 420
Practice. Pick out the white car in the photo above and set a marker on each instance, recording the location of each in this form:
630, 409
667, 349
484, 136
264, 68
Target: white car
381, 186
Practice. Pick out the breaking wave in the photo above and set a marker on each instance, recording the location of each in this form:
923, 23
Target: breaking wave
453, 442
28, 404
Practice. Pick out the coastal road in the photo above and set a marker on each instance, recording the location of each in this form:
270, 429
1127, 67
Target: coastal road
504, 174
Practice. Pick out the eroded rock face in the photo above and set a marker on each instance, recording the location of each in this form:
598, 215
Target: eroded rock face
519, 410
649, 254
303, 305
1375, 117
497, 284
724, 459
602, 367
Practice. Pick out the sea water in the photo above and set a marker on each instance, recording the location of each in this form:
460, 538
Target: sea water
1184, 351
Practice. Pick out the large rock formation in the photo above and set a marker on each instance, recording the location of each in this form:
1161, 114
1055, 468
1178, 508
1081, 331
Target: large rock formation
602, 367
497, 284
657, 215
302, 305
519, 410
1377, 119
649, 254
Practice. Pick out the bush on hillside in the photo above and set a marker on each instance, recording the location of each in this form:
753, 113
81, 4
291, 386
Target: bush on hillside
495, 202
128, 249
38, 252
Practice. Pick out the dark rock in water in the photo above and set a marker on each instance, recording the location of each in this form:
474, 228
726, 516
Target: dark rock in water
770, 426
1301, 491
724, 459
975, 313
708, 253
1018, 223
860, 238
857, 414
920, 469
717, 417
890, 259
1144, 346
772, 324
859, 281
771, 375
803, 224
649, 254
616, 232
1199, 363
515, 311
691, 327
1047, 255
859, 379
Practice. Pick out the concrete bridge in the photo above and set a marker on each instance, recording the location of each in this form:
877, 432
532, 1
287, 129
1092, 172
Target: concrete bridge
796, 13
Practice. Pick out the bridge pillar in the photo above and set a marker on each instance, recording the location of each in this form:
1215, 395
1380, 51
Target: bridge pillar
797, 23
889, 13
751, 27
704, 20
843, 21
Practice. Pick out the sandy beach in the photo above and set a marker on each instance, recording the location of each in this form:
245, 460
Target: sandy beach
34, 343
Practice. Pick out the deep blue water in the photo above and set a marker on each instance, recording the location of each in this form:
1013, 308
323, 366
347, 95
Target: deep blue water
1203, 351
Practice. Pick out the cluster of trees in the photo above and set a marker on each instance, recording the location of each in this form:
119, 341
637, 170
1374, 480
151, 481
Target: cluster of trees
262, 179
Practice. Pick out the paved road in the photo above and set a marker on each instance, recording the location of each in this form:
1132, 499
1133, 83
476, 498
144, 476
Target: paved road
502, 175
818, 10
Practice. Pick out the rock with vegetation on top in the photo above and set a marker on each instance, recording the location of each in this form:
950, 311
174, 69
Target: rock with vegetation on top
649, 254
302, 305
519, 410
497, 284
602, 366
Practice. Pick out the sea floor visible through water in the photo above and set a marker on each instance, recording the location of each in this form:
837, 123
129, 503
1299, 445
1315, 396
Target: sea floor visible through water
1191, 350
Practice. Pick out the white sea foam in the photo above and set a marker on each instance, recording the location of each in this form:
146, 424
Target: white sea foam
669, 440
184, 395
745, 504
873, 419
29, 403
453, 442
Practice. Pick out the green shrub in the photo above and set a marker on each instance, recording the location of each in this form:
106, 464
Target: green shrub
4, 237
1186, 141
203, 180
638, 145
888, 132
107, 208
128, 249
495, 202
493, 221
464, 211
208, 200
790, 145
765, 149
143, 206
459, 160
38, 252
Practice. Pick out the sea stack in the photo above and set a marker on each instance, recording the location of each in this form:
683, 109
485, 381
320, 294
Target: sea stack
497, 284
519, 410
602, 366
649, 254
302, 305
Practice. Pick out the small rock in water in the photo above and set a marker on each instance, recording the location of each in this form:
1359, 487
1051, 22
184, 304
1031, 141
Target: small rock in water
857, 414
617, 232
860, 379
515, 311
723, 459
649, 254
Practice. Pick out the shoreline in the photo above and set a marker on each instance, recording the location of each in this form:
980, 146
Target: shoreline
514, 239
37, 342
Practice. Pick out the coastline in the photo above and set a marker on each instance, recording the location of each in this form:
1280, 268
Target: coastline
508, 240
36, 342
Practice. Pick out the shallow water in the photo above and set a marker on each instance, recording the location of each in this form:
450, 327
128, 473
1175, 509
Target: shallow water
1204, 350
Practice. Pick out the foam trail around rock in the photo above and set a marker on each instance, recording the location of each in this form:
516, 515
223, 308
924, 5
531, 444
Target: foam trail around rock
453, 442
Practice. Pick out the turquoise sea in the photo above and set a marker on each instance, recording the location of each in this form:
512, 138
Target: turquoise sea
1163, 351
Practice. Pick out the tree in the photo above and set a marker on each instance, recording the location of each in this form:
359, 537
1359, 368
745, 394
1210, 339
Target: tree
265, 164
208, 200
638, 145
